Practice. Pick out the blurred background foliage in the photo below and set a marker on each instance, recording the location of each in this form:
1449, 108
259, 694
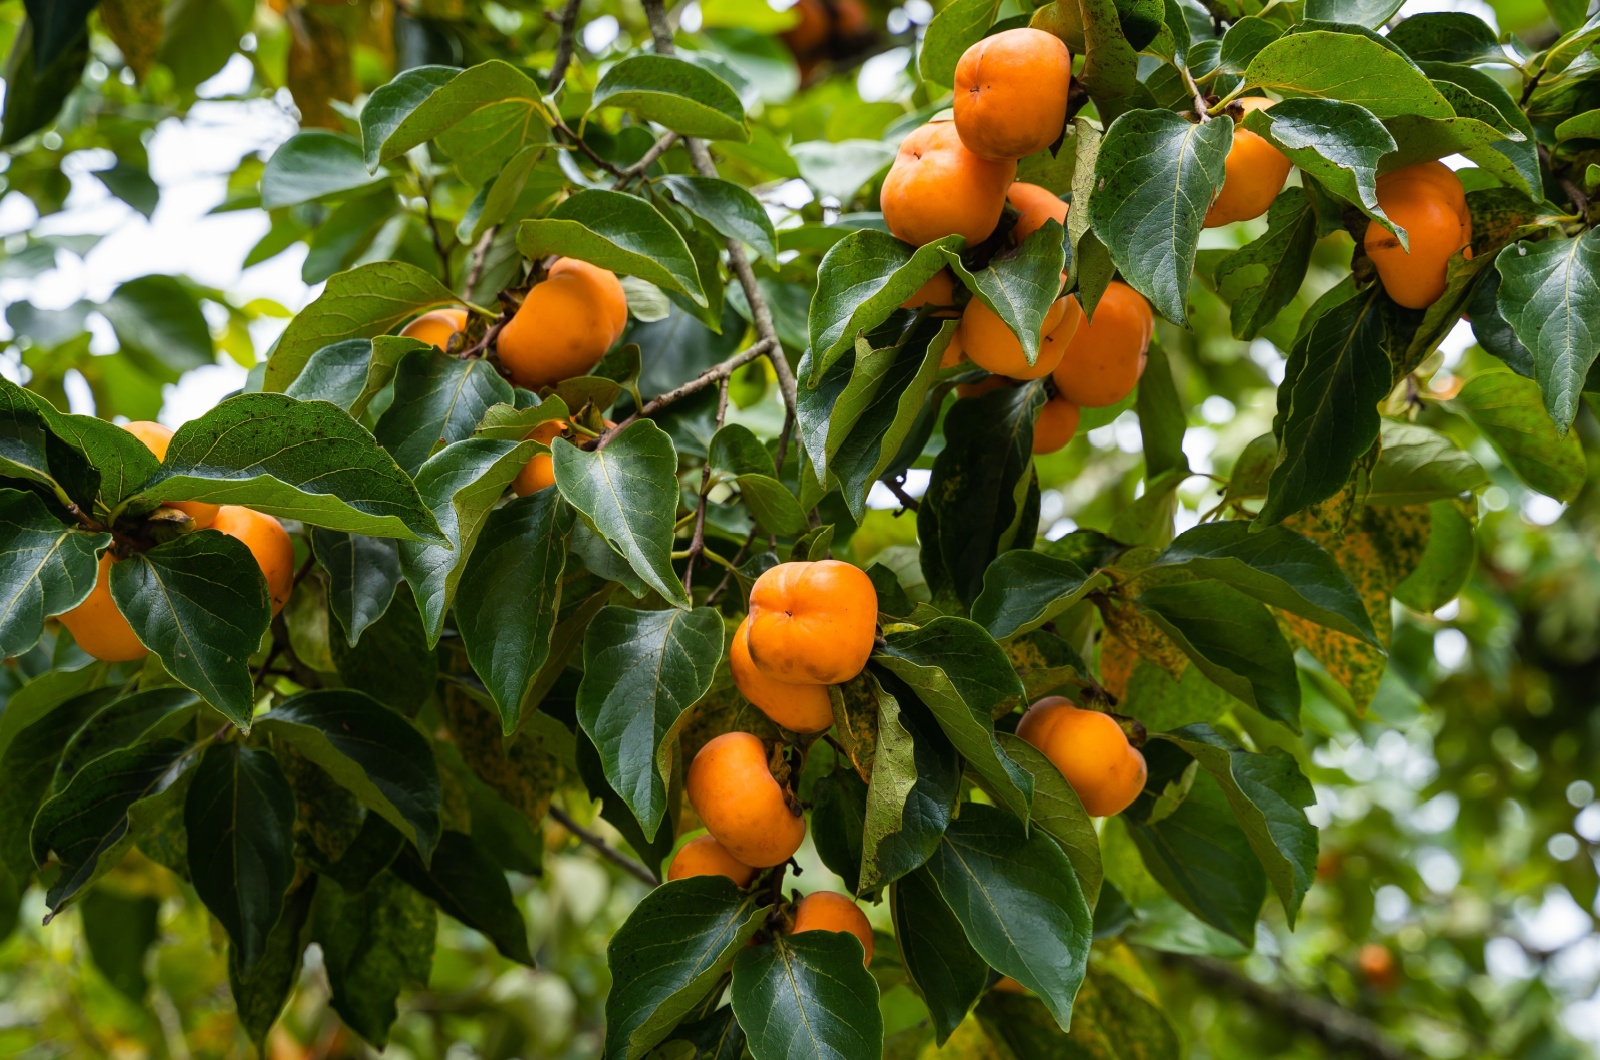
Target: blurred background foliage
142, 275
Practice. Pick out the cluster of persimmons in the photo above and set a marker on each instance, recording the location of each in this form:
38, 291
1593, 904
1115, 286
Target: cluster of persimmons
100, 628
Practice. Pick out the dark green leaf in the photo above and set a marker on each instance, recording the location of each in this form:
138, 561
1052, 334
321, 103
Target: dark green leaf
628, 494
1446, 562
1506, 408
1276, 566
363, 573
1347, 66
1233, 640
369, 749
1023, 589
1369, 13
1447, 37
1155, 177
957, 27
916, 780
807, 997
134, 718
1550, 294
1018, 900
373, 943
314, 164
641, 671
44, 728
240, 818
1514, 160
481, 116
438, 399
675, 93
159, 318
133, 185
393, 663
1020, 286
1337, 373
667, 956
619, 232
46, 568
510, 594
1059, 813
1417, 465
305, 460
120, 929
261, 991
350, 373
939, 960
469, 886
1110, 63
862, 280
962, 676
1264, 275
200, 603
1338, 143
727, 207
838, 819
35, 90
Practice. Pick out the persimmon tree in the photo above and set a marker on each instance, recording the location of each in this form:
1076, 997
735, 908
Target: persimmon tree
549, 495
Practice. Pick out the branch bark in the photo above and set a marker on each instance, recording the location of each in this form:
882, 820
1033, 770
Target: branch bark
715, 374
564, 45
604, 849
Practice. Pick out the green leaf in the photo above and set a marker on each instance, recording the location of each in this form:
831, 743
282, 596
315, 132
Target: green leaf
1264, 275
469, 886
1023, 589
135, 718
371, 750
807, 997
88, 826
982, 498
627, 493
363, 573
619, 232
1369, 13
957, 27
667, 956
1200, 854
261, 991
1276, 566
1515, 159
510, 594
240, 818
46, 568
1506, 408
727, 207
1059, 813
641, 671
1350, 67
862, 280
838, 819
963, 676
1233, 640
44, 729
1110, 1018
674, 93
1244, 40
373, 943
200, 603
438, 399
1447, 37
305, 460
1155, 177
362, 303
1338, 143
350, 373
36, 89
117, 462
1550, 294
120, 929
481, 116
1110, 61
27, 444
1268, 794
946, 971
1019, 902
1019, 286
916, 780
158, 320
311, 165
1446, 562
1337, 373
1417, 465
462, 484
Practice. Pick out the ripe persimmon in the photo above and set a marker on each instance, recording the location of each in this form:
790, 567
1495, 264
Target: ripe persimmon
707, 857
832, 911
1426, 200
1091, 751
1255, 172
268, 542
797, 707
156, 438
1057, 422
1011, 93
983, 386
1376, 963
812, 622
940, 290
1036, 205
732, 788
436, 326
564, 326
1101, 364
991, 345
539, 472
937, 188
99, 627
955, 352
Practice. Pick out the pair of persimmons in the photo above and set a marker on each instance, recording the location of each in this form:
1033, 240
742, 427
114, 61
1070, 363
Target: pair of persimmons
811, 625
99, 626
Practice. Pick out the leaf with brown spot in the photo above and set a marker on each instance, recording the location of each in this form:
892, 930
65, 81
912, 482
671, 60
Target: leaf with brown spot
524, 771
135, 27
1127, 624
855, 719
319, 70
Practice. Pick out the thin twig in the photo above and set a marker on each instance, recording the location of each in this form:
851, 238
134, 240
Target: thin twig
433, 232
761, 315
715, 374
480, 255
564, 45
697, 543
897, 486
733, 565
594, 156
1194, 90
616, 857
1331, 1024
648, 159
88, 521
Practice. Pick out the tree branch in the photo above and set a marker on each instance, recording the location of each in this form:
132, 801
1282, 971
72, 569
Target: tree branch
897, 486
715, 374
564, 44
697, 543
1194, 90
648, 159
480, 255
605, 850
1334, 1026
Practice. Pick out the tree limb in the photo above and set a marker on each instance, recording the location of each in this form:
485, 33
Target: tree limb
564, 44
697, 543
605, 850
715, 374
